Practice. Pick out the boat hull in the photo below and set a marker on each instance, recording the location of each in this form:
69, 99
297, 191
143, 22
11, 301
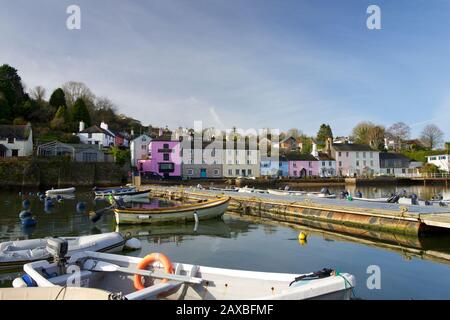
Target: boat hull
133, 195
60, 191
206, 211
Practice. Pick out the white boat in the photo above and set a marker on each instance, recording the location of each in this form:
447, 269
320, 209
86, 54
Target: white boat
321, 195
125, 277
14, 254
223, 189
113, 191
132, 195
285, 192
250, 190
60, 191
209, 209
52, 293
380, 200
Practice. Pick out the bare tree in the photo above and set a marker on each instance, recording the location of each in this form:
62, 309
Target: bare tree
38, 93
74, 90
399, 132
294, 132
432, 137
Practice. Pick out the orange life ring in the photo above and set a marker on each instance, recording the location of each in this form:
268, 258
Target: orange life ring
148, 260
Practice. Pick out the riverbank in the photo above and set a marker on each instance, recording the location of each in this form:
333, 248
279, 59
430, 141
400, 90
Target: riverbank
35, 173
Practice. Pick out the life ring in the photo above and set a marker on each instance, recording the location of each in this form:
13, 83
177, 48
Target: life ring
148, 260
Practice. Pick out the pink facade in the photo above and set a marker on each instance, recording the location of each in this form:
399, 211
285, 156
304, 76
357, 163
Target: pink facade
163, 158
301, 168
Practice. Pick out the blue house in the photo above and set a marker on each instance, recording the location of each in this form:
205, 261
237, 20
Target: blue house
284, 167
269, 167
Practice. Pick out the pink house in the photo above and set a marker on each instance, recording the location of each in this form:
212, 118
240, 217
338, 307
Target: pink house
302, 165
163, 158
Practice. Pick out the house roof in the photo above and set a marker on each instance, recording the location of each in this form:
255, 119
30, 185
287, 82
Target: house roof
97, 129
164, 137
325, 157
288, 138
351, 147
295, 156
20, 132
393, 156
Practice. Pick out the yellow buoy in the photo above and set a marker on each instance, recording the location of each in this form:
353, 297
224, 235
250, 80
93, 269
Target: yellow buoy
302, 236
302, 242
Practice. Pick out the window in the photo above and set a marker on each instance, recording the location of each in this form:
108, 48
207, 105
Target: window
166, 146
166, 157
365, 163
340, 163
166, 167
347, 154
190, 172
294, 165
216, 172
11, 140
230, 172
371, 163
330, 163
15, 153
340, 154
357, 163
364, 154
144, 147
388, 171
96, 142
237, 172
249, 171
310, 173
248, 162
310, 164
89, 157
323, 163
371, 154
295, 173
357, 154
89, 135
144, 139
403, 170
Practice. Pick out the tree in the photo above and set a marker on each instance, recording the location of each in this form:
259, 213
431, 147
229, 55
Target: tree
324, 134
361, 132
38, 93
376, 137
306, 144
77, 90
60, 122
27, 109
399, 132
429, 168
11, 89
58, 99
121, 156
80, 113
5, 109
294, 133
432, 137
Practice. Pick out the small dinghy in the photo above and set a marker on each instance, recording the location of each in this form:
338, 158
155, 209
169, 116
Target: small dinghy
285, 192
250, 190
321, 195
393, 199
128, 278
13, 254
60, 191
223, 189
209, 209
113, 191
132, 195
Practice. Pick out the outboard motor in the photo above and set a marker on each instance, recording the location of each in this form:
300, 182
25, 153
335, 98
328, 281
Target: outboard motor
58, 249
358, 194
325, 191
344, 194
414, 199
393, 199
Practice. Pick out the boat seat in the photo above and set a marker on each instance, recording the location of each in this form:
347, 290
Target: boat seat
62, 280
152, 292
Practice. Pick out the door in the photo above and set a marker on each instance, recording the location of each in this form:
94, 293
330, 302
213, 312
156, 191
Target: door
202, 173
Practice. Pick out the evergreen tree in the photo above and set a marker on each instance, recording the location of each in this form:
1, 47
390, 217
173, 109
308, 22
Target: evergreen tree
11, 90
323, 134
80, 113
58, 98
59, 122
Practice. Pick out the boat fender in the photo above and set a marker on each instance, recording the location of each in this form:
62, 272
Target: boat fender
48, 202
81, 206
24, 282
26, 204
133, 244
29, 222
25, 214
148, 260
350, 198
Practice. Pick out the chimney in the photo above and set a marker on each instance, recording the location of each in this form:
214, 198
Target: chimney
314, 151
328, 144
132, 132
104, 126
82, 126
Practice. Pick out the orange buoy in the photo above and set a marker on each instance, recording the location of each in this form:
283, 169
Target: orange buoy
148, 260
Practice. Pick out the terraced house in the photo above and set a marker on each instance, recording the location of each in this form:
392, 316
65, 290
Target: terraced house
201, 159
241, 159
355, 159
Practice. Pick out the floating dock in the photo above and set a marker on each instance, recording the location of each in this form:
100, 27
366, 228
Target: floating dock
305, 210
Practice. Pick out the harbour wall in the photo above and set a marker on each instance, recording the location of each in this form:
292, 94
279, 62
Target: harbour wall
45, 172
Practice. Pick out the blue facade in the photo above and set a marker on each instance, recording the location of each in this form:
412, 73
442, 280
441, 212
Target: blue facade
270, 168
284, 168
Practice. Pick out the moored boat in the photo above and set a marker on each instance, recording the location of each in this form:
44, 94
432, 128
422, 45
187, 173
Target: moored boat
132, 195
60, 191
209, 209
124, 277
250, 190
321, 195
380, 200
113, 191
14, 254
286, 192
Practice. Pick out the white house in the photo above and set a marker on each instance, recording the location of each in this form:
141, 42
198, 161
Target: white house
241, 160
96, 135
139, 149
440, 161
16, 140
355, 159
327, 165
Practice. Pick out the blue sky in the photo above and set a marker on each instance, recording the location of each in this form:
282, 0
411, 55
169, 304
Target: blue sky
245, 63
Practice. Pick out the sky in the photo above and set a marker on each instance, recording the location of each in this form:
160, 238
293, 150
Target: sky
244, 63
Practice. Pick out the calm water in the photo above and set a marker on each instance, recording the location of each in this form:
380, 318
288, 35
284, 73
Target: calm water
411, 268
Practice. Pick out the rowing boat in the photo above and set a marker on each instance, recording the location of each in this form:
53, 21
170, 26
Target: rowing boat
285, 192
132, 195
14, 254
250, 190
321, 195
114, 191
209, 209
379, 200
60, 191
127, 278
